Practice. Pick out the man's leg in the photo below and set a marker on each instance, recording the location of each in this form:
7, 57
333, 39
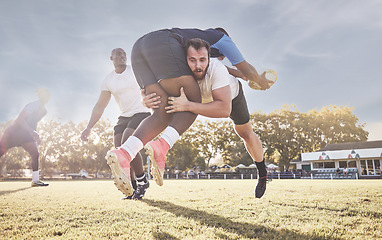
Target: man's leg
118, 140
251, 141
138, 176
31, 148
255, 149
180, 122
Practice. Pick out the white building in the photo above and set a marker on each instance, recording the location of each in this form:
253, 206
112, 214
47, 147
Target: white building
366, 157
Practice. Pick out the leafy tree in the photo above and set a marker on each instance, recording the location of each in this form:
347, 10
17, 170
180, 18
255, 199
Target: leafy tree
51, 137
338, 125
286, 133
95, 150
205, 138
230, 145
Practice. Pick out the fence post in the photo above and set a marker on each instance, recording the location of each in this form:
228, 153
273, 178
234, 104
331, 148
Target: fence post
209, 176
242, 176
279, 175
177, 175
311, 175
225, 176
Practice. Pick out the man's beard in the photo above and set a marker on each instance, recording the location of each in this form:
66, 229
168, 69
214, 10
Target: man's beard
200, 76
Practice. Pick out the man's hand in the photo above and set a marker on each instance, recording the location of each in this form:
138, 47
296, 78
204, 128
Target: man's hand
265, 83
178, 104
151, 100
85, 134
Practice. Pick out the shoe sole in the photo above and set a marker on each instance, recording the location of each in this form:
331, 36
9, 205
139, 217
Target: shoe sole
40, 185
155, 171
121, 180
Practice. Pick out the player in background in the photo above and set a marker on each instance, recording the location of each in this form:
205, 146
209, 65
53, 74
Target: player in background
122, 85
22, 133
222, 96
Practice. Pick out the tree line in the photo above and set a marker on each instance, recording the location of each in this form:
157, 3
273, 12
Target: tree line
285, 133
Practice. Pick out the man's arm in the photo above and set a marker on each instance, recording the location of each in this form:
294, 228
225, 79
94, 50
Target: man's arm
220, 107
103, 101
236, 73
251, 74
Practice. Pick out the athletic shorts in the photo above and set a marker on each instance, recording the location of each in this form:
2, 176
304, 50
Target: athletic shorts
15, 136
159, 55
239, 110
129, 122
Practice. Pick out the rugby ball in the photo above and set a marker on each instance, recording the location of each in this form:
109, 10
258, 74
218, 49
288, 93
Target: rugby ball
269, 74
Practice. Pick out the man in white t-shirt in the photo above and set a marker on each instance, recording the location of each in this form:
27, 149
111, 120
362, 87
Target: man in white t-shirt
122, 85
222, 96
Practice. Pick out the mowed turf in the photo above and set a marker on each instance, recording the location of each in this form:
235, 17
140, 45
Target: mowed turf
193, 209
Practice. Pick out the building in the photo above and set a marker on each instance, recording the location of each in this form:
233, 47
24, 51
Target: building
365, 157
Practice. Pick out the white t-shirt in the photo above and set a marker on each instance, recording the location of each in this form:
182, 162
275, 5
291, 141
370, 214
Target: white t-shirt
126, 92
217, 76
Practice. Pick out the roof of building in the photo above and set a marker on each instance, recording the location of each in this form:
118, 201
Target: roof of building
352, 145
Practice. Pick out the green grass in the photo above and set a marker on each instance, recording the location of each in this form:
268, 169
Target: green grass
193, 209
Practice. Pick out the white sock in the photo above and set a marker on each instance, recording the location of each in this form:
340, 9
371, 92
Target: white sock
35, 176
132, 146
170, 135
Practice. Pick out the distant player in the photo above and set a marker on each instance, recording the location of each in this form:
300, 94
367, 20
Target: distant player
122, 85
22, 133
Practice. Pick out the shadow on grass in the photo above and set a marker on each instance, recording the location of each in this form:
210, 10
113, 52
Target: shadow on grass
344, 211
164, 236
240, 228
13, 191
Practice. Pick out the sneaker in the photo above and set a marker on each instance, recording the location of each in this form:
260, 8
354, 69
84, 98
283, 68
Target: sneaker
119, 162
39, 184
157, 151
260, 187
141, 190
128, 197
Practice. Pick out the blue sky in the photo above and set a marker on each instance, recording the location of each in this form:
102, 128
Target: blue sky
325, 52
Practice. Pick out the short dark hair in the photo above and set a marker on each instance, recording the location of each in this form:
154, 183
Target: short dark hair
222, 30
197, 43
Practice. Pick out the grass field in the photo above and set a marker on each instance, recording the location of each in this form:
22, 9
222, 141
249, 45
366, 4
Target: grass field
193, 209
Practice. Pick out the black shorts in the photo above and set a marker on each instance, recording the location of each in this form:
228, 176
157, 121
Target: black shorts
129, 122
159, 55
239, 110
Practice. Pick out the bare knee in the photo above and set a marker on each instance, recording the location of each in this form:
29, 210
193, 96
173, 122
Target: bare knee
246, 132
246, 135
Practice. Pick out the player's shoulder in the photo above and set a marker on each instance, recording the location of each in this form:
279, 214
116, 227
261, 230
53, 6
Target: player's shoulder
110, 75
216, 66
214, 63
